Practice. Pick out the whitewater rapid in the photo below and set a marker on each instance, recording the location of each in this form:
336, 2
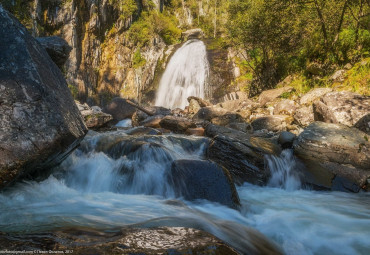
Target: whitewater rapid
101, 191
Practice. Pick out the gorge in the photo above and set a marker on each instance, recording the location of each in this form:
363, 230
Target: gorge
192, 163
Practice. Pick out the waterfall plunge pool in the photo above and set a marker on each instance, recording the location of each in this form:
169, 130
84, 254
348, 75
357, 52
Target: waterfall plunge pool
89, 191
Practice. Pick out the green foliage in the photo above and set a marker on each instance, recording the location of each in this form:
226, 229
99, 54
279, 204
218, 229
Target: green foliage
138, 60
74, 90
21, 9
151, 23
281, 37
358, 78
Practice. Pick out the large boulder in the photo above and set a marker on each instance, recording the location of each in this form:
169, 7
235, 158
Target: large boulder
200, 101
313, 95
144, 241
240, 153
39, 122
341, 107
201, 179
57, 48
140, 116
119, 109
274, 123
176, 124
269, 95
336, 156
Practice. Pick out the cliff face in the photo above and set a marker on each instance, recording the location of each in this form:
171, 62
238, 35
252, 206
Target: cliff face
100, 65
104, 61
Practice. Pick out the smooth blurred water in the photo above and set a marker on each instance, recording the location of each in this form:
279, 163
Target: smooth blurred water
186, 75
104, 190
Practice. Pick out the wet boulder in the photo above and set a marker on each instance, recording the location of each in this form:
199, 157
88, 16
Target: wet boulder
286, 139
345, 108
176, 124
57, 48
201, 179
240, 153
337, 157
39, 122
152, 121
195, 131
145, 241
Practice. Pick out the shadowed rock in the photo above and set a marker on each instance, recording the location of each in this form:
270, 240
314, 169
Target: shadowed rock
201, 179
57, 48
39, 122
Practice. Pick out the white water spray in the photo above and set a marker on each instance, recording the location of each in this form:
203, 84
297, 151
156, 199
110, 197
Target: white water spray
186, 75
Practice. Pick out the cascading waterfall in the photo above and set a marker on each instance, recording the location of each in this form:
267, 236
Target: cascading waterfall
186, 75
284, 171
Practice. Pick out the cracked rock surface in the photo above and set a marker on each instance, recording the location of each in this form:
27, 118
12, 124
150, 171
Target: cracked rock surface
39, 122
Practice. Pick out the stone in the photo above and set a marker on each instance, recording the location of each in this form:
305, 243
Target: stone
119, 109
94, 117
364, 124
201, 102
244, 127
269, 95
285, 107
341, 107
274, 123
315, 69
140, 131
208, 113
338, 76
152, 121
286, 139
57, 48
145, 241
140, 116
313, 95
195, 33
194, 107
304, 116
202, 179
240, 153
332, 151
195, 131
227, 119
176, 124
39, 122
348, 66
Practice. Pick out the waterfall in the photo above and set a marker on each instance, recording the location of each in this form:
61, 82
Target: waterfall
186, 75
284, 171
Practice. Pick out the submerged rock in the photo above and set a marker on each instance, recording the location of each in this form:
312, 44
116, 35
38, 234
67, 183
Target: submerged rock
145, 241
40, 123
334, 154
201, 179
240, 153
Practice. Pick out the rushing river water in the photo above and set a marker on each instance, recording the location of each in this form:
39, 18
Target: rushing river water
104, 188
